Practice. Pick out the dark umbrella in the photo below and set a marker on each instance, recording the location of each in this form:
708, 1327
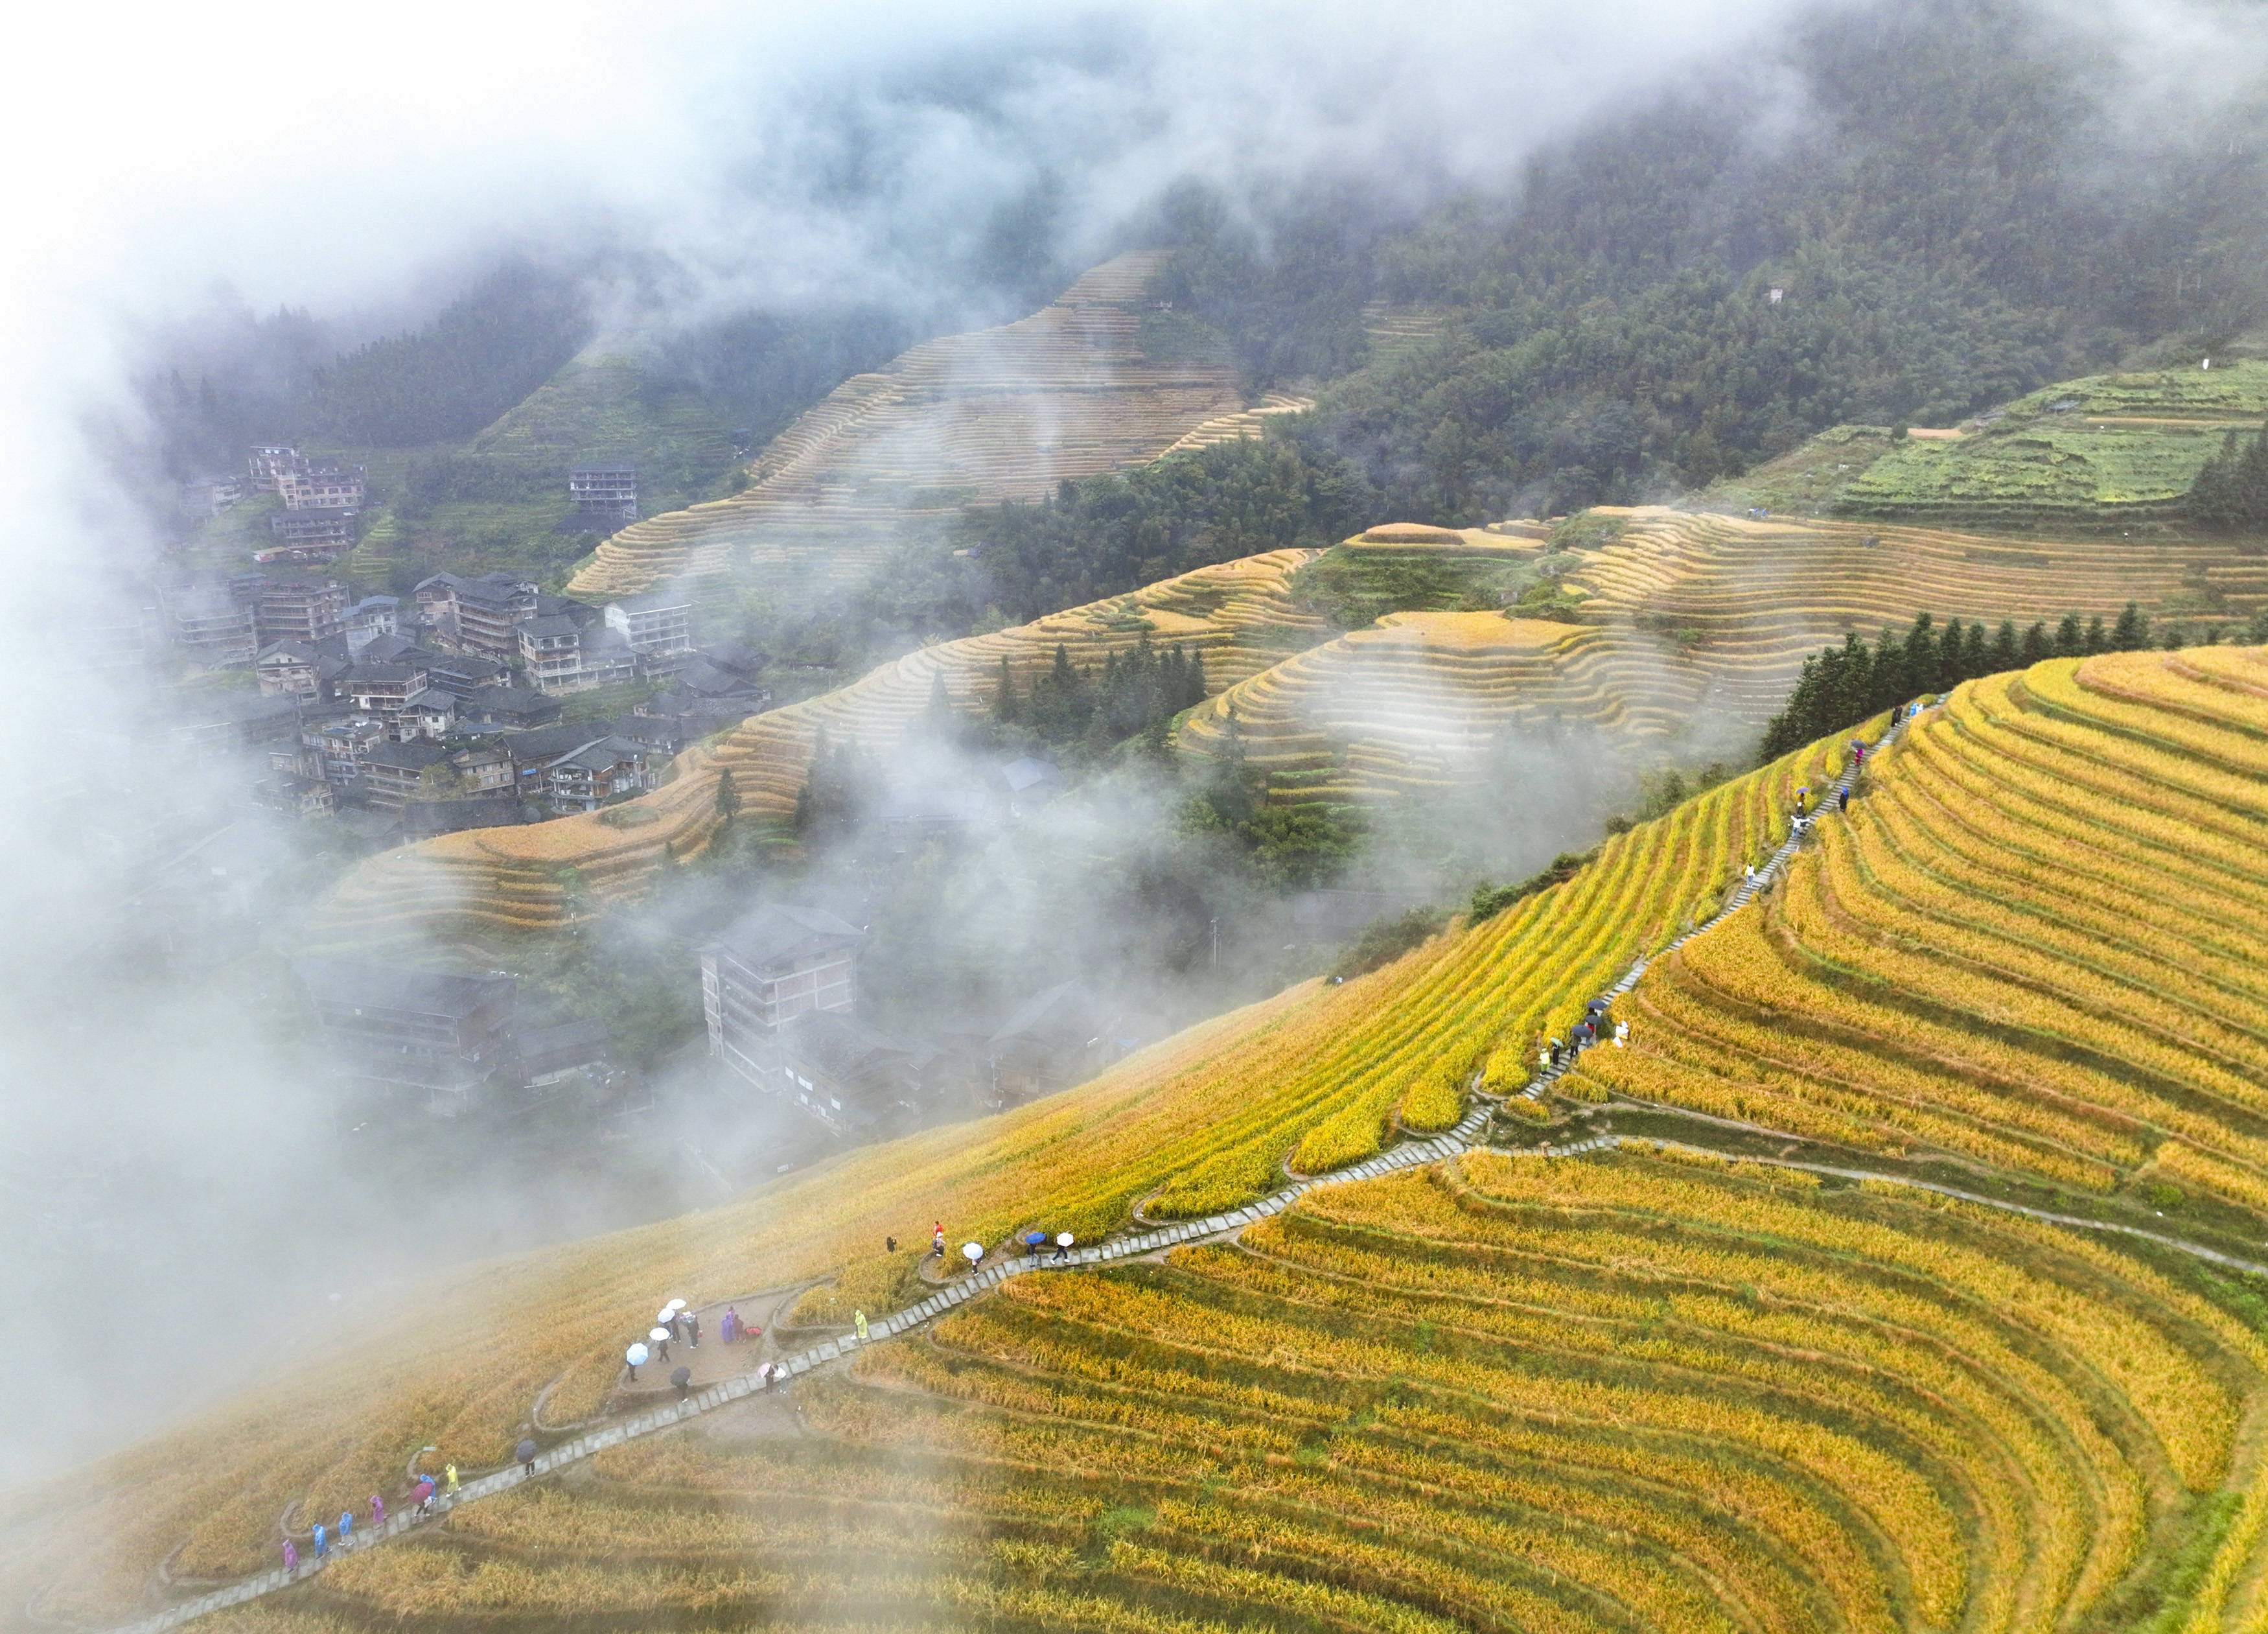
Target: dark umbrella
681, 1377
528, 1450
1595, 1006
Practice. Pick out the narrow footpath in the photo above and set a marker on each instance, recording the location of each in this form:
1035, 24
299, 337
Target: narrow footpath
1409, 1155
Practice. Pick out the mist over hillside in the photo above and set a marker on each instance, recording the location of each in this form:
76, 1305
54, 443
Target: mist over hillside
1524, 260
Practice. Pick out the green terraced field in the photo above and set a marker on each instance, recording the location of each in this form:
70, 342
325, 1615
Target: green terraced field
2113, 450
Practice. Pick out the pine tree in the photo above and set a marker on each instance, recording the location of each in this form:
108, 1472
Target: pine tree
2098, 639
1004, 707
2131, 633
2004, 648
935, 723
1949, 651
2232, 489
1921, 660
2037, 644
728, 798
2070, 640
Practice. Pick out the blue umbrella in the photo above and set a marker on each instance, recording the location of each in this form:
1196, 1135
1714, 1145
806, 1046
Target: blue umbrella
1033, 1239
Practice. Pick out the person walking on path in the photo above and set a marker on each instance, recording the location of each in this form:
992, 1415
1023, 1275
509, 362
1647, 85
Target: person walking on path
291, 1559
527, 1450
937, 1239
322, 1542
376, 1510
858, 1322
424, 1494
346, 1527
693, 1330
725, 1325
661, 1347
449, 1477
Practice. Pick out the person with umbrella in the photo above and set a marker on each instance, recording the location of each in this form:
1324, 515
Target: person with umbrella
1064, 1240
683, 1378
972, 1252
658, 1338
634, 1355
424, 1494
527, 1450
1034, 1241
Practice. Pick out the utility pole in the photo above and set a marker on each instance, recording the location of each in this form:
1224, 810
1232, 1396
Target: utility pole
1214, 925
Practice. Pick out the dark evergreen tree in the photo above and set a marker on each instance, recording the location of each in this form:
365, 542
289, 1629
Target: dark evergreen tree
2131, 633
2004, 655
2037, 645
1006, 708
2071, 637
2232, 490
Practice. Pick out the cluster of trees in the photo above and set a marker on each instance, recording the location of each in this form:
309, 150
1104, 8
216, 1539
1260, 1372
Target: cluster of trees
1136, 696
2232, 490
1110, 533
484, 352
1841, 686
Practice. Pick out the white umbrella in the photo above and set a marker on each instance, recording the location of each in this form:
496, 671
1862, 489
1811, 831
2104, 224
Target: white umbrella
1063, 1239
665, 1316
677, 1305
636, 1355
658, 1334
972, 1252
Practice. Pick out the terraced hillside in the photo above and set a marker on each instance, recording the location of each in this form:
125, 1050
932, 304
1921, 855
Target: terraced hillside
1237, 615
1632, 1391
1692, 627
1506, 1395
2110, 451
2036, 942
975, 418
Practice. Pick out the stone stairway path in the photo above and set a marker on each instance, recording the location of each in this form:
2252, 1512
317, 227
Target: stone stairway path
1742, 894
1409, 1155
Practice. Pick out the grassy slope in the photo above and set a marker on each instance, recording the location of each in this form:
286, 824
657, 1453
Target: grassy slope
2109, 450
1576, 1396
2173, 1386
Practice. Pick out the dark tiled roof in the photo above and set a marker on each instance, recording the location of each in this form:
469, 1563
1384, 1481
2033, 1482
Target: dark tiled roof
777, 932
393, 986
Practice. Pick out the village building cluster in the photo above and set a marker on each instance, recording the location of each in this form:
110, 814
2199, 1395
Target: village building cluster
455, 706
404, 717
